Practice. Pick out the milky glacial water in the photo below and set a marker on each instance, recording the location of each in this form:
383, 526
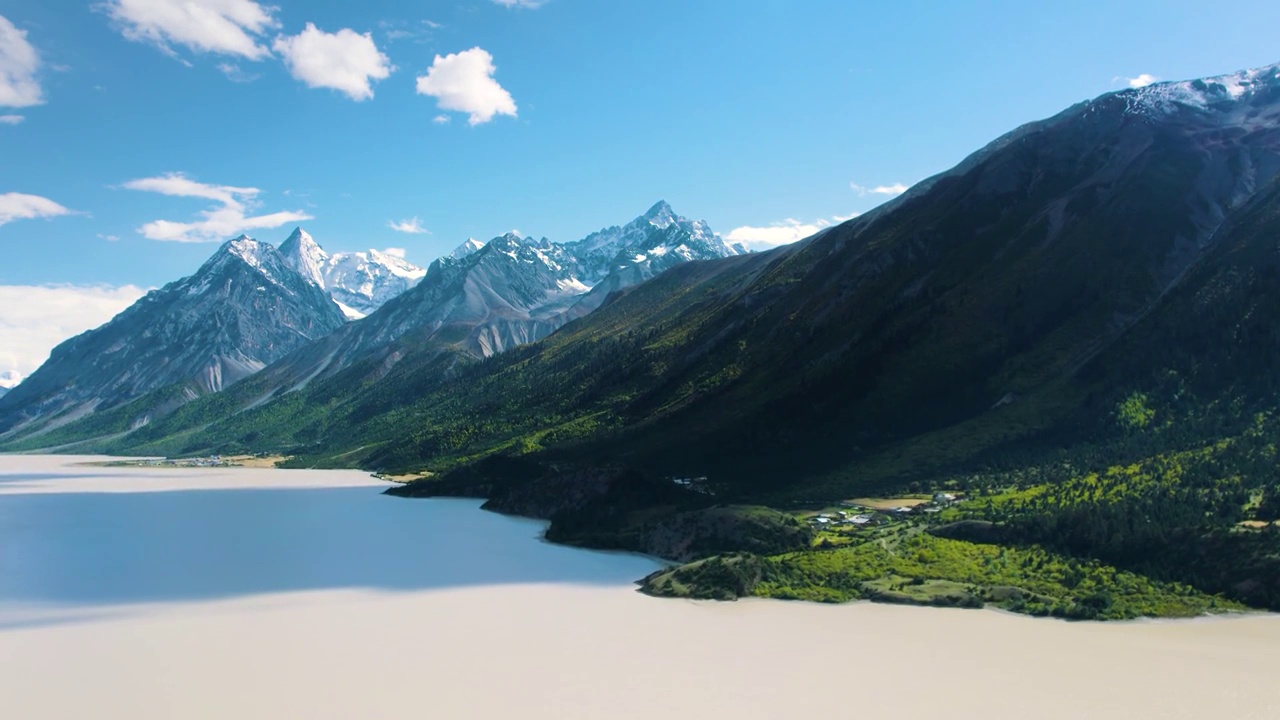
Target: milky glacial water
213, 593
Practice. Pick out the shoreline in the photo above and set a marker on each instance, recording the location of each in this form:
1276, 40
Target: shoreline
361, 478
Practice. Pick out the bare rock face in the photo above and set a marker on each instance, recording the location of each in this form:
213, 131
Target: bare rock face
486, 298
243, 309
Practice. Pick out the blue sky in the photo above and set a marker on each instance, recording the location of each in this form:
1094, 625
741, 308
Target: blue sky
125, 120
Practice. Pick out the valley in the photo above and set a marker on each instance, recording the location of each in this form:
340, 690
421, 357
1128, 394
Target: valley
1070, 329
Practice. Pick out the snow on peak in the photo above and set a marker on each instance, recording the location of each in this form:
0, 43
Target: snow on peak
360, 282
9, 379
396, 265
245, 248
470, 247
1204, 93
661, 215
302, 253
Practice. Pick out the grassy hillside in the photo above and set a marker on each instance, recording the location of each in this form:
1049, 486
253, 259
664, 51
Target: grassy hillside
1074, 328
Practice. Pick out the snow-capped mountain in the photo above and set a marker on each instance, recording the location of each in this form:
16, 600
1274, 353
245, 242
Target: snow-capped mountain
360, 282
485, 298
1163, 98
658, 239
514, 290
243, 309
472, 245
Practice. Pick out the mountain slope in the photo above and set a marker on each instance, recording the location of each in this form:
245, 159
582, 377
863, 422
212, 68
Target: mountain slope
244, 308
360, 282
954, 320
1074, 328
482, 300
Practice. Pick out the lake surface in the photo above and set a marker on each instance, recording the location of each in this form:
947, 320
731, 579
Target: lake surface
211, 593
91, 536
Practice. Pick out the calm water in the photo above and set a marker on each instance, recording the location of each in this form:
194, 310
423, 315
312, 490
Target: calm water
267, 595
79, 536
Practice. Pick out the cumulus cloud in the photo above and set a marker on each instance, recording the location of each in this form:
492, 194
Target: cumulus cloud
781, 233
11, 119
38, 317
412, 226
440, 119
521, 3
18, 65
230, 218
225, 27
1141, 81
346, 61
464, 82
889, 190
16, 206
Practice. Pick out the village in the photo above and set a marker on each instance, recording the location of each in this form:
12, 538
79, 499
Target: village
863, 512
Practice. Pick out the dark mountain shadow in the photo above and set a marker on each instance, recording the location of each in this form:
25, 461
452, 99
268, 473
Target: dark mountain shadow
97, 549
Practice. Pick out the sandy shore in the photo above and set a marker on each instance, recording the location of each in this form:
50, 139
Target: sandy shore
594, 650
572, 652
41, 474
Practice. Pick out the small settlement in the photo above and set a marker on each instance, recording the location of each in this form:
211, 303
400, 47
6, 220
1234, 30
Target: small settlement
877, 511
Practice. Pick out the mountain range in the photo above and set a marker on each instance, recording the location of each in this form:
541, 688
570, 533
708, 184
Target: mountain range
360, 282
1072, 327
244, 308
253, 305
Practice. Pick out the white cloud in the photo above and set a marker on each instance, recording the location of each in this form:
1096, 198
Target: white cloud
16, 206
11, 119
1142, 80
18, 65
781, 233
440, 119
229, 219
38, 317
226, 27
890, 190
345, 61
412, 226
521, 3
464, 82
393, 252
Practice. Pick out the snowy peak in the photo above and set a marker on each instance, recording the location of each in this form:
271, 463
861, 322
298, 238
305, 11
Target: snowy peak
396, 264
243, 309
470, 247
9, 379
661, 215
1222, 91
242, 250
360, 282
657, 239
304, 254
